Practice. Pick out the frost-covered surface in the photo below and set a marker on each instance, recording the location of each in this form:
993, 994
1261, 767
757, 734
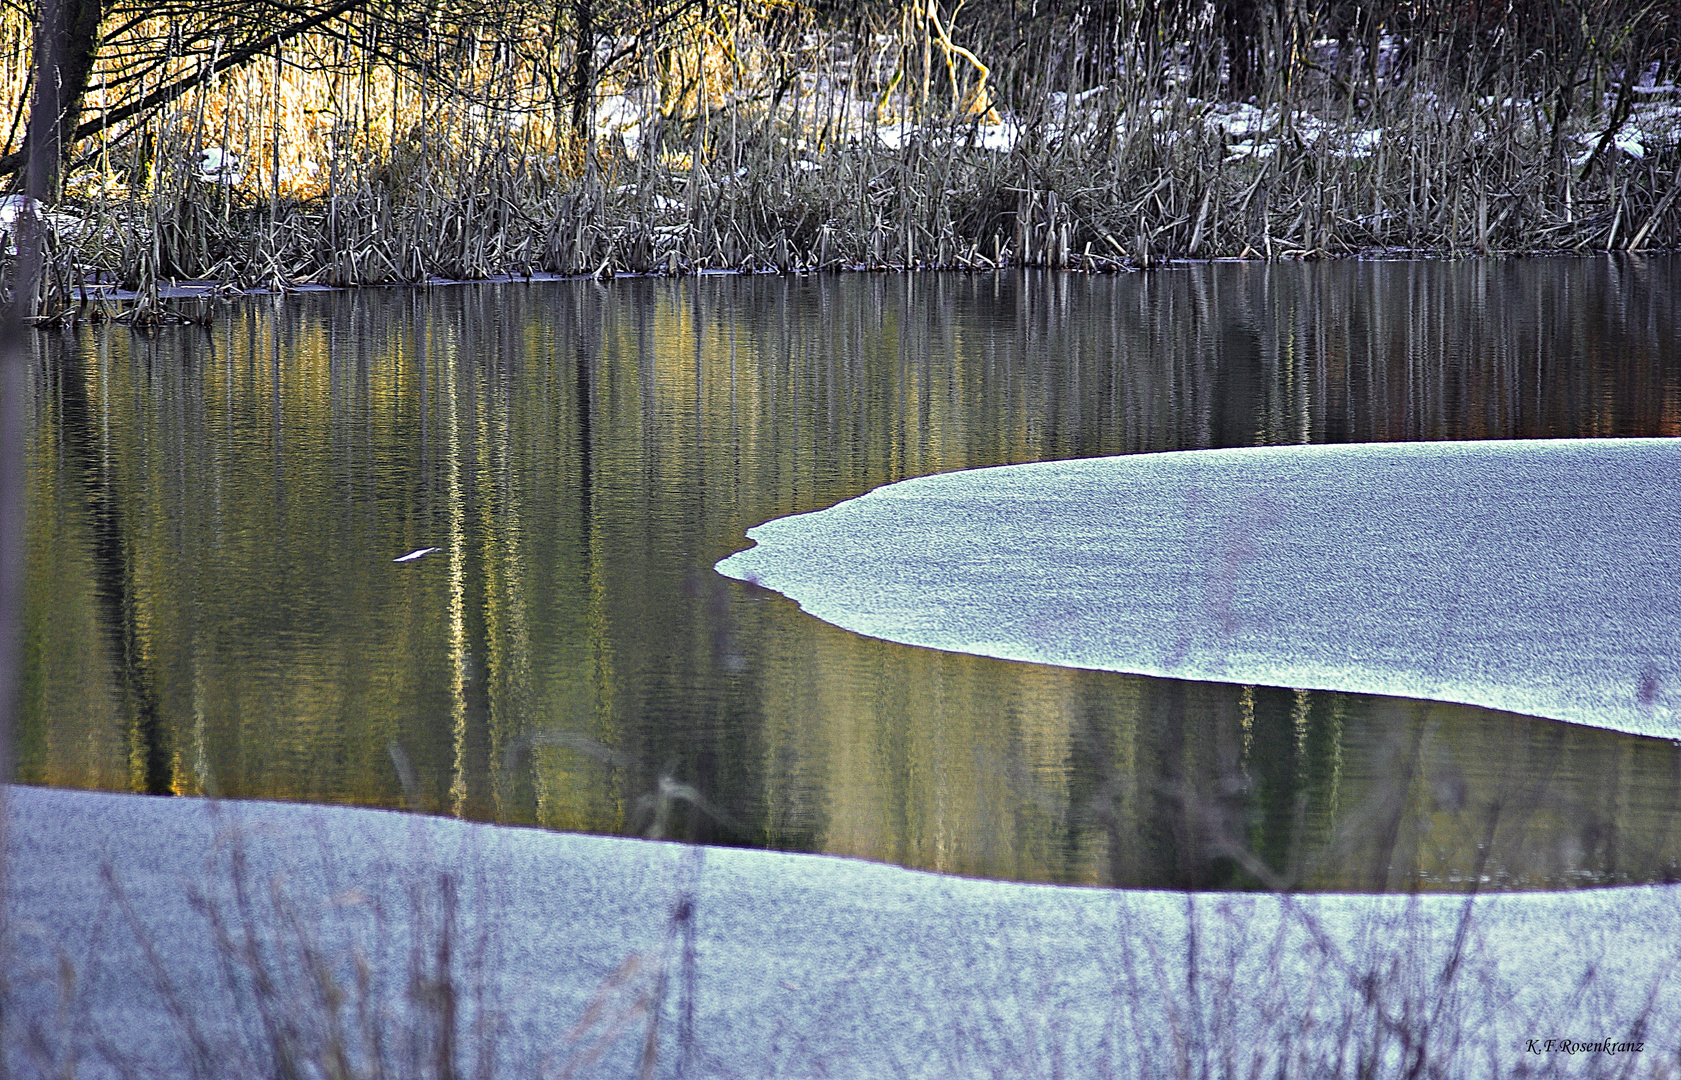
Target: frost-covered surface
1537, 577
789, 965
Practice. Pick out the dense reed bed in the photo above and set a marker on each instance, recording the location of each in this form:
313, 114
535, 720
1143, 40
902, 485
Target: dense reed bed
739, 141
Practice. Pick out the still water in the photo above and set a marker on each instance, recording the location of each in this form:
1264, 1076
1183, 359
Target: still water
214, 608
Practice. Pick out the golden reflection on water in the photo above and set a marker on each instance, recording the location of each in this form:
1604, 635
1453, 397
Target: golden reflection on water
213, 606
1051, 774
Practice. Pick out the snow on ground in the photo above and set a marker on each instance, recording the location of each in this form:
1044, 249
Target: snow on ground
1652, 122
1536, 577
130, 948
13, 205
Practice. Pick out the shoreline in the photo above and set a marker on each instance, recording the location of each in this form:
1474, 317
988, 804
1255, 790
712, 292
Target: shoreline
209, 289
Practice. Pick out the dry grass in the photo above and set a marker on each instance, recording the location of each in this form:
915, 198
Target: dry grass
813, 149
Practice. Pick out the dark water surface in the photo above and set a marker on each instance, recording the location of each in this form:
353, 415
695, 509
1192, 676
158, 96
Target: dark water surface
213, 606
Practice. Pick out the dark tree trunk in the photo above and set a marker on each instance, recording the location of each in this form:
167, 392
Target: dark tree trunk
583, 65
66, 41
1239, 26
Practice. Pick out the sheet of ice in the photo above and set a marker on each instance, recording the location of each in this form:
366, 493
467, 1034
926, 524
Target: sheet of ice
1539, 577
128, 946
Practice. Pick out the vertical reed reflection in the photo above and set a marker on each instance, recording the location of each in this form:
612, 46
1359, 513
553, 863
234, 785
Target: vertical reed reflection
211, 567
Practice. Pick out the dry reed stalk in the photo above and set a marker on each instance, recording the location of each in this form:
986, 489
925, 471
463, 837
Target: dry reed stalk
751, 154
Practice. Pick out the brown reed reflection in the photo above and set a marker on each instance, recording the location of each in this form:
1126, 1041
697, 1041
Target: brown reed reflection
213, 604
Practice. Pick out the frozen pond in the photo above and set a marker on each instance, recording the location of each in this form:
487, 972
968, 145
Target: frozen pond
215, 607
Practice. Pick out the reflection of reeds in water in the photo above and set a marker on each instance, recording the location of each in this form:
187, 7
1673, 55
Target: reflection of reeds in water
1347, 793
986, 768
825, 742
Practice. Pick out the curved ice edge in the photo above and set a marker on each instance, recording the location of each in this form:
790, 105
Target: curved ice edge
1540, 577
819, 952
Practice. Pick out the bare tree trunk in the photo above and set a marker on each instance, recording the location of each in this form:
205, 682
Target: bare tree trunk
66, 40
1239, 26
583, 66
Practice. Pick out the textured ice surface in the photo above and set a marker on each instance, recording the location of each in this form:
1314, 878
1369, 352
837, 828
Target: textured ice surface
799, 966
1542, 577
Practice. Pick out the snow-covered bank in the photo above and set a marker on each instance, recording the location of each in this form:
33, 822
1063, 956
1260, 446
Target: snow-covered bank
773, 964
1535, 576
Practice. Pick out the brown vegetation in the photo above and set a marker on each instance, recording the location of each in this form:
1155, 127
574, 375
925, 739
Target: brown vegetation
351, 145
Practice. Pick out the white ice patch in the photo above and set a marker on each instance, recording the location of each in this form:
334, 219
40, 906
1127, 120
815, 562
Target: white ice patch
805, 963
1001, 137
1360, 144
1242, 119
1534, 577
13, 205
